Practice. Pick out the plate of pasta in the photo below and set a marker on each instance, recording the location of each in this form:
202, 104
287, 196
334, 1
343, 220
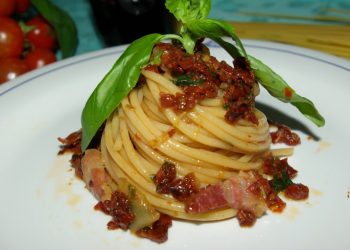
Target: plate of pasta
47, 204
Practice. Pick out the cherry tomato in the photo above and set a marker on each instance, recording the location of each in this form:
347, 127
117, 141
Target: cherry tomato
39, 58
7, 7
11, 38
21, 6
10, 68
43, 35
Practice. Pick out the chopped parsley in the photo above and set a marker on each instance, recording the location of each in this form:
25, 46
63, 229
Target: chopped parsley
280, 182
186, 80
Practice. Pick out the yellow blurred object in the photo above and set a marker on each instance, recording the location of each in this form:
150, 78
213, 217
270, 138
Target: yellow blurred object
320, 18
333, 39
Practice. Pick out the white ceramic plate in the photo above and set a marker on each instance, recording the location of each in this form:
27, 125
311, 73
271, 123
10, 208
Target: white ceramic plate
43, 206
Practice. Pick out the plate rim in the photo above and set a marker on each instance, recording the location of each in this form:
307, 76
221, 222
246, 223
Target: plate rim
314, 55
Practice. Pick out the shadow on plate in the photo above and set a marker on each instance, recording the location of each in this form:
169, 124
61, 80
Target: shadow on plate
276, 115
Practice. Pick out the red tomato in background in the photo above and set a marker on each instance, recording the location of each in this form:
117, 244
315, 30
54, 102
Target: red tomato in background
39, 58
11, 68
21, 6
24, 46
11, 38
43, 35
7, 7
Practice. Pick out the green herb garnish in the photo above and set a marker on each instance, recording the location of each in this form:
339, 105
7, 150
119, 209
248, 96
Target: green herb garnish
186, 80
280, 182
194, 24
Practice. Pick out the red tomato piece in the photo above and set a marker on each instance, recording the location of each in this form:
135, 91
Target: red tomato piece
7, 7
10, 68
297, 191
39, 58
21, 6
11, 38
43, 35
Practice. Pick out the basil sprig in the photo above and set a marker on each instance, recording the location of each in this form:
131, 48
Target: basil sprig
216, 30
192, 16
277, 87
63, 25
116, 84
189, 10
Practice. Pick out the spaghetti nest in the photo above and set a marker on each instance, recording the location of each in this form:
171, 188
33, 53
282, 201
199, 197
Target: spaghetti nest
141, 135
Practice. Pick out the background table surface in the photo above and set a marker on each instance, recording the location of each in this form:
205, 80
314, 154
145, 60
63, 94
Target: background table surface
249, 18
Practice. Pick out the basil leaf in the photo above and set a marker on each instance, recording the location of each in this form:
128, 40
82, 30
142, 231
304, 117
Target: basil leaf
215, 29
116, 85
185, 10
63, 25
188, 41
232, 50
155, 59
277, 87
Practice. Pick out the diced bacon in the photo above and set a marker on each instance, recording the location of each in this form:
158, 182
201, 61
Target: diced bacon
208, 198
71, 143
232, 193
95, 176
